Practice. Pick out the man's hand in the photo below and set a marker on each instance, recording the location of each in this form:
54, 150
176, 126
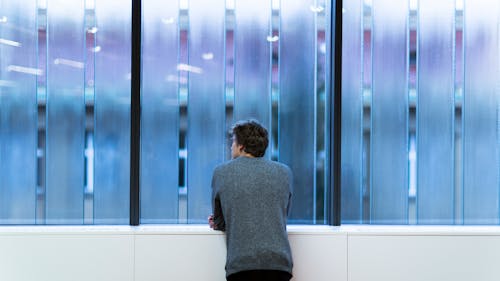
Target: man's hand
220, 225
211, 222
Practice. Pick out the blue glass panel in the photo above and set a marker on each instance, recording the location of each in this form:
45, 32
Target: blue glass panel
327, 98
480, 112
160, 112
389, 113
252, 97
65, 112
206, 103
435, 112
112, 112
352, 112
297, 101
18, 111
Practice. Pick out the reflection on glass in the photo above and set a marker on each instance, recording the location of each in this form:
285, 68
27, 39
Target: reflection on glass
18, 120
112, 112
58, 91
352, 107
435, 117
252, 98
187, 99
297, 102
389, 113
452, 115
480, 112
160, 112
77, 123
206, 103
65, 112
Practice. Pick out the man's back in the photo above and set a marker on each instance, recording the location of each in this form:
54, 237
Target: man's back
253, 196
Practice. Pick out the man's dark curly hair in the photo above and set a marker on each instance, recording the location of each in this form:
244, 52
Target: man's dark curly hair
252, 135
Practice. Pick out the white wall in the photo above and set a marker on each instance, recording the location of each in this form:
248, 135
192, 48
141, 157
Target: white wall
185, 253
65, 254
424, 253
196, 253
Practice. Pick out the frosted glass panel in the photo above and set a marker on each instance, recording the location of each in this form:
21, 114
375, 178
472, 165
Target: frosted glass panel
18, 119
435, 117
160, 112
65, 112
480, 112
252, 61
389, 113
206, 110
297, 103
431, 90
65, 104
112, 112
352, 106
191, 56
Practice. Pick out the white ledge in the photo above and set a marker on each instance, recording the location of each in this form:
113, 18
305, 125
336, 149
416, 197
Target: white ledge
200, 229
204, 229
67, 229
420, 230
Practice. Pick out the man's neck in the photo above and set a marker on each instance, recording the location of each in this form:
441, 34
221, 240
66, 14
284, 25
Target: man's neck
246, 154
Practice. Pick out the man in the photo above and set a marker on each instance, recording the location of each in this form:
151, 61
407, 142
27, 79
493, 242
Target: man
251, 199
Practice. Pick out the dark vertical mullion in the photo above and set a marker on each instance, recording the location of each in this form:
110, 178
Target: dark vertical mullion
336, 112
135, 108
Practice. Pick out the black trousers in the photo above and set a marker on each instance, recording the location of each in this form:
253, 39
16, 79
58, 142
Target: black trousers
260, 275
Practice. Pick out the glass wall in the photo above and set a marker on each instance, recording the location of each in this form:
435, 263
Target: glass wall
18, 112
420, 141
209, 64
420, 129
65, 76
64, 112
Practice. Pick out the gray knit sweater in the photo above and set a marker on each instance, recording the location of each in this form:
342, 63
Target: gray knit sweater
251, 198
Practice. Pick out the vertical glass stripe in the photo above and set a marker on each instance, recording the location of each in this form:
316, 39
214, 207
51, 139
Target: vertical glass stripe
481, 109
352, 112
160, 112
435, 112
18, 109
327, 98
389, 113
112, 112
297, 145
252, 97
206, 103
65, 112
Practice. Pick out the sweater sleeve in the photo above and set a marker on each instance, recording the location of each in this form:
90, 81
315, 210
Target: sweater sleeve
290, 188
219, 221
